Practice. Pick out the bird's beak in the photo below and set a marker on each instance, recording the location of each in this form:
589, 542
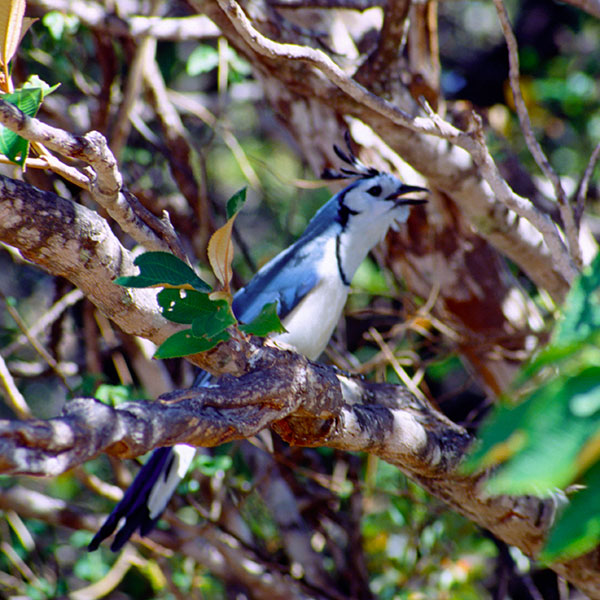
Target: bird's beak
407, 189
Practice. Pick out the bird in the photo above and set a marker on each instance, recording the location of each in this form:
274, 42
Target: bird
309, 281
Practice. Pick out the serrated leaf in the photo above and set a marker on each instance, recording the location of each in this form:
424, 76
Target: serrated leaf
582, 307
161, 269
183, 306
577, 529
184, 343
235, 203
13, 146
265, 323
11, 24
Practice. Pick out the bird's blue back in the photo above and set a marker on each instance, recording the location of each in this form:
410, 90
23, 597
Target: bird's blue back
288, 277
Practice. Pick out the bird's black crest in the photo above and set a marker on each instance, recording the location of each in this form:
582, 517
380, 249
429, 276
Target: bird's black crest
358, 170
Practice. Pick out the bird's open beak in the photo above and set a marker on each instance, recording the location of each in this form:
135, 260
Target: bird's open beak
407, 189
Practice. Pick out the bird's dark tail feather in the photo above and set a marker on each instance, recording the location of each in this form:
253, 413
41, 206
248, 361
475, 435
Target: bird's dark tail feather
134, 505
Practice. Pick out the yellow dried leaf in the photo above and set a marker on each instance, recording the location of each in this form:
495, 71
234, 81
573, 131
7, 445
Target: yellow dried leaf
214, 296
11, 25
220, 253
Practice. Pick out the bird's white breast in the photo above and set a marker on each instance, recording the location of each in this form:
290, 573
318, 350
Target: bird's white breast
310, 325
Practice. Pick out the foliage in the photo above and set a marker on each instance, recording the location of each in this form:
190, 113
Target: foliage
185, 298
356, 511
551, 439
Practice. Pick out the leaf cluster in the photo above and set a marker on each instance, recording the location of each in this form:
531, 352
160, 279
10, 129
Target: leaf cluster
551, 439
188, 300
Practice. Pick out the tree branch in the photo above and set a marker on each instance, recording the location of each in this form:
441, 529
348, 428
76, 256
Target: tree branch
523, 233
566, 211
96, 16
220, 552
105, 180
69, 240
308, 405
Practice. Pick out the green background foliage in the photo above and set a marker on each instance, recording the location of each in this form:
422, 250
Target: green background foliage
412, 546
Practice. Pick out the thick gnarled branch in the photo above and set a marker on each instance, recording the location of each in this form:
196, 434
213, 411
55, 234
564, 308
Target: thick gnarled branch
306, 403
104, 180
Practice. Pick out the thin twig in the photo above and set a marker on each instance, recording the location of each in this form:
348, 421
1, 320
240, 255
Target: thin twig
14, 399
474, 142
566, 211
46, 319
191, 105
105, 180
392, 360
144, 52
113, 577
585, 181
56, 166
36, 345
96, 16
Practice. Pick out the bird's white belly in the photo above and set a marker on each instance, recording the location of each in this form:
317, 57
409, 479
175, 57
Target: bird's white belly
310, 325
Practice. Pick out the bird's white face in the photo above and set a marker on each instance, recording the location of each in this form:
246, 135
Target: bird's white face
374, 203
367, 209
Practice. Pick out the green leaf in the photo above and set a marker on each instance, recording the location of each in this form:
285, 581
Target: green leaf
113, 394
552, 414
89, 568
208, 325
578, 527
211, 465
202, 60
235, 203
58, 23
183, 343
582, 307
161, 269
34, 81
183, 306
13, 146
265, 323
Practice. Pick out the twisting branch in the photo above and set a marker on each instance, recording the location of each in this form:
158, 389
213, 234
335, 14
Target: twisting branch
471, 141
67, 239
221, 553
309, 405
14, 398
105, 182
375, 70
46, 320
96, 16
566, 211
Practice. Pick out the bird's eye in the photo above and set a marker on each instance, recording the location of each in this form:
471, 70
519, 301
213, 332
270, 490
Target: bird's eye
375, 190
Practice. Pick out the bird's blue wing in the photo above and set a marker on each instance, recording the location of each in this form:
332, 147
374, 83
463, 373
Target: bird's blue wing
287, 279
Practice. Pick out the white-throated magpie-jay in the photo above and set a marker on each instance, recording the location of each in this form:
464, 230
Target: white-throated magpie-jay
309, 281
